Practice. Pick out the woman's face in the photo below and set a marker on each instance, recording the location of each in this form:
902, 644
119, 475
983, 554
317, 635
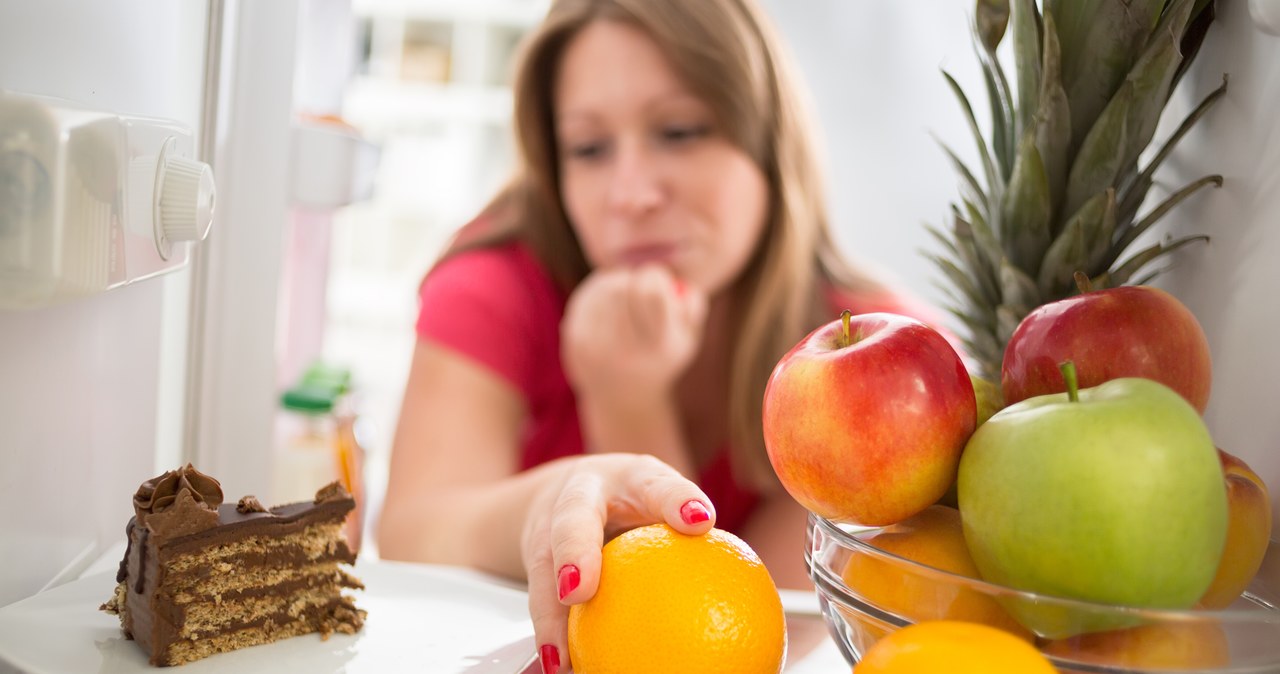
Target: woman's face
646, 176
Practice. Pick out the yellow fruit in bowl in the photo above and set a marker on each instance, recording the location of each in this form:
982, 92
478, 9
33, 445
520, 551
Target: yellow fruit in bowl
990, 400
1199, 646
989, 397
670, 602
934, 538
1248, 532
953, 647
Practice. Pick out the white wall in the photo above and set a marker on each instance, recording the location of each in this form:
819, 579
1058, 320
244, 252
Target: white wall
1233, 284
873, 71
82, 382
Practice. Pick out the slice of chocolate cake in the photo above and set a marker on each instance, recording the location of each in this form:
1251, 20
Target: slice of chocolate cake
201, 577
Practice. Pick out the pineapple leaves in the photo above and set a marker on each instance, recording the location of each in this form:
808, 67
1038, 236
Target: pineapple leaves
1018, 291
983, 238
1129, 120
981, 343
1201, 16
1083, 243
1007, 320
1024, 219
1053, 119
1152, 76
957, 279
1132, 232
1099, 160
1135, 191
1121, 274
993, 181
979, 254
1001, 102
991, 18
1101, 41
970, 189
977, 282
1020, 297
1026, 46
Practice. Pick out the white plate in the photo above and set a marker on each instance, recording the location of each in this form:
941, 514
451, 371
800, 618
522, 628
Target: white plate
421, 619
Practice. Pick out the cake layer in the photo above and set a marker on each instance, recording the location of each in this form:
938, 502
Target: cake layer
280, 521
192, 577
315, 542
261, 581
209, 619
345, 619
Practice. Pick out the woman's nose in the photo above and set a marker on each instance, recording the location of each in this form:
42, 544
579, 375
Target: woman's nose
635, 187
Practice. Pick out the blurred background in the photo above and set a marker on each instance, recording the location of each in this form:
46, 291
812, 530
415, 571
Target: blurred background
350, 138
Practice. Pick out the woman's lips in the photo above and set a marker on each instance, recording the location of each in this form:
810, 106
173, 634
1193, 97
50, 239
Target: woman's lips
648, 254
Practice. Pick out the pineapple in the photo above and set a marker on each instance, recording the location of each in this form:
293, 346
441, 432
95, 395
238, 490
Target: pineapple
1063, 184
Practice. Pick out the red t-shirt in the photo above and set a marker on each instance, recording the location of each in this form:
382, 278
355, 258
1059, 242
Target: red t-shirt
499, 307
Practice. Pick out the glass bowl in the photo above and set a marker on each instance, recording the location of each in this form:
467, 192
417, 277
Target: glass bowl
866, 593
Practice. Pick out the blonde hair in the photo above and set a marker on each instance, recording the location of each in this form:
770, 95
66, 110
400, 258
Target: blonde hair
725, 51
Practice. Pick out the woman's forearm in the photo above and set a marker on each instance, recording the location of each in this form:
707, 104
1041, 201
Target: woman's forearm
637, 428
469, 525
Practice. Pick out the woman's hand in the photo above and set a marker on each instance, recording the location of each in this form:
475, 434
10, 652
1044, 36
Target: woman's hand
598, 496
629, 333
627, 336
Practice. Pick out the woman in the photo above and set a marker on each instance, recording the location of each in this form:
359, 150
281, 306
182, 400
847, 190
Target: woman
623, 300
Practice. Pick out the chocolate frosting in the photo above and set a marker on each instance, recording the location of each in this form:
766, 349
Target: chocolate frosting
334, 491
250, 504
179, 502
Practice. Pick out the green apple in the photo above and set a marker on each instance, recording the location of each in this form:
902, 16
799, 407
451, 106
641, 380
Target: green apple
1112, 494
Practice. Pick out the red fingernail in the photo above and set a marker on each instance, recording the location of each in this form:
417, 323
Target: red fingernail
569, 578
550, 659
694, 512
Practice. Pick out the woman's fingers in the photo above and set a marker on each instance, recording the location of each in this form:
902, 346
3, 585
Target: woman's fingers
550, 617
644, 310
691, 310
578, 520
650, 298
667, 496
632, 490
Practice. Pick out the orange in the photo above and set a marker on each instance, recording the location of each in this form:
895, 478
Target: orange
670, 602
953, 647
933, 537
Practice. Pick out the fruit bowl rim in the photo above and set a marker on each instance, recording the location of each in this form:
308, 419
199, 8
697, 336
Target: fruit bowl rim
1262, 611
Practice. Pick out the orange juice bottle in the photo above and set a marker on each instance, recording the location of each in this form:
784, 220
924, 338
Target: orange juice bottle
317, 442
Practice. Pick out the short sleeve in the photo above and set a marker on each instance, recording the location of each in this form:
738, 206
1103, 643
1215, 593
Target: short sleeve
493, 306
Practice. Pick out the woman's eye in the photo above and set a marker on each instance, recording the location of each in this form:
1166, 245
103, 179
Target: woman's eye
586, 150
682, 134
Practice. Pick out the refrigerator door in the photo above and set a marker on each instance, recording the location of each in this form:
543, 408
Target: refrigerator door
91, 387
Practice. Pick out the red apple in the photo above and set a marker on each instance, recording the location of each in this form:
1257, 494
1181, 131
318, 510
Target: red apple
865, 418
1130, 331
1248, 532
